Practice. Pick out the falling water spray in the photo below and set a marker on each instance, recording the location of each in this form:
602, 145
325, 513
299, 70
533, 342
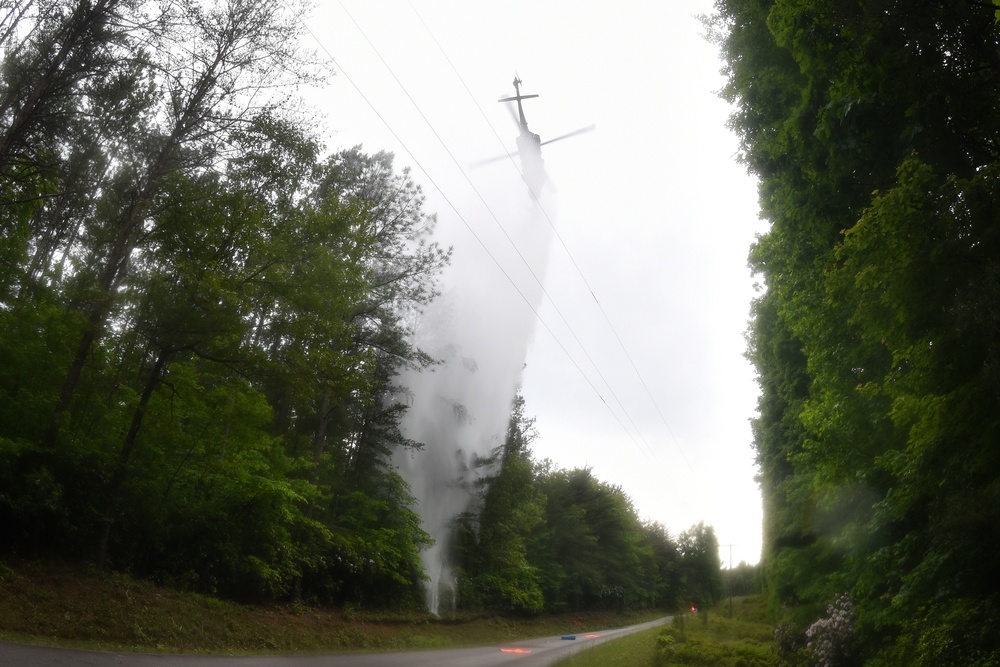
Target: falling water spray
479, 330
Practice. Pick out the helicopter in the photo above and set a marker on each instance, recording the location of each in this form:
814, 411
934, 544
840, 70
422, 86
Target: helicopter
528, 143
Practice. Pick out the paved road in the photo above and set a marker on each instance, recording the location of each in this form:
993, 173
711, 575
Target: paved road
529, 653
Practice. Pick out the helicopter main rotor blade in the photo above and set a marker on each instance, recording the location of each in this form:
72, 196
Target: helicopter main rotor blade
493, 159
582, 130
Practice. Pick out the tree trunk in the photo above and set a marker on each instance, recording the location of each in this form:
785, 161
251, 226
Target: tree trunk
319, 438
77, 28
128, 445
111, 276
193, 119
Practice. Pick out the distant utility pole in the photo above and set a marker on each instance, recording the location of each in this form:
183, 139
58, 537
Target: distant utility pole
729, 582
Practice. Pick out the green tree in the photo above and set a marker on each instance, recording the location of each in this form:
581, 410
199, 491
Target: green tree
700, 565
495, 571
592, 550
352, 429
874, 132
744, 579
663, 567
218, 314
241, 46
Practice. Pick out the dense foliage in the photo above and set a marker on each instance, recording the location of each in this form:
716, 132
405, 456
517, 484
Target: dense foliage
201, 316
874, 128
541, 538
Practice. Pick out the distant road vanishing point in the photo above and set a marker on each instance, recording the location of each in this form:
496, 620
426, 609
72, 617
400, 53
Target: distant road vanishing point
528, 653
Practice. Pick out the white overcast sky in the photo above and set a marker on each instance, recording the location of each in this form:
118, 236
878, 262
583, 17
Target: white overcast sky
651, 208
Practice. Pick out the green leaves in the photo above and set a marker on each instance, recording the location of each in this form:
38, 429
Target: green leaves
875, 340
556, 540
203, 323
701, 576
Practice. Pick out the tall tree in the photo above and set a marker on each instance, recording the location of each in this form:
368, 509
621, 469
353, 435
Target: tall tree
241, 48
591, 550
218, 314
700, 565
495, 571
51, 48
875, 133
663, 566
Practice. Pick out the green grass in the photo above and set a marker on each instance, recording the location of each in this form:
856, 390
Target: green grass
709, 639
633, 650
67, 605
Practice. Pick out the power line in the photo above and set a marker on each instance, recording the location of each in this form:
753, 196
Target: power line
568, 254
496, 220
464, 221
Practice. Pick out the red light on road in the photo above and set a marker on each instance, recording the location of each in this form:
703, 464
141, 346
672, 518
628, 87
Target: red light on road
515, 650
591, 636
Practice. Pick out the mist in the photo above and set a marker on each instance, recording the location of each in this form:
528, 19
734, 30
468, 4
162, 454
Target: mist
479, 330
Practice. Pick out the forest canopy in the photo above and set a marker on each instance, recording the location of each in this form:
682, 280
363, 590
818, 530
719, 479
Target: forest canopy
874, 130
204, 316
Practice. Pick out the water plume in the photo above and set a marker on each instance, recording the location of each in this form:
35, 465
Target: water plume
479, 330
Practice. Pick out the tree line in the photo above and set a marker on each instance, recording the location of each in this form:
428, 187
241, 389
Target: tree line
204, 316
201, 313
874, 130
539, 538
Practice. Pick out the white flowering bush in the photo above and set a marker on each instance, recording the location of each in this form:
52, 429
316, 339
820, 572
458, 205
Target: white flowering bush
830, 640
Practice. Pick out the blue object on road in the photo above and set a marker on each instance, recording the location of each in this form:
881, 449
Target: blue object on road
569, 636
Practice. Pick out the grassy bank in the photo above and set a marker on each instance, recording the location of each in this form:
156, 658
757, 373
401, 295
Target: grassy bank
708, 639
65, 605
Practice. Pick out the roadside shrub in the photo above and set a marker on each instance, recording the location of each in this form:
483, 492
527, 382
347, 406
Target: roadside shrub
666, 648
831, 638
790, 645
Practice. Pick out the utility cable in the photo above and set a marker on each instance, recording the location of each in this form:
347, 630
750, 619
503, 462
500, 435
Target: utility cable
496, 220
469, 227
565, 249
